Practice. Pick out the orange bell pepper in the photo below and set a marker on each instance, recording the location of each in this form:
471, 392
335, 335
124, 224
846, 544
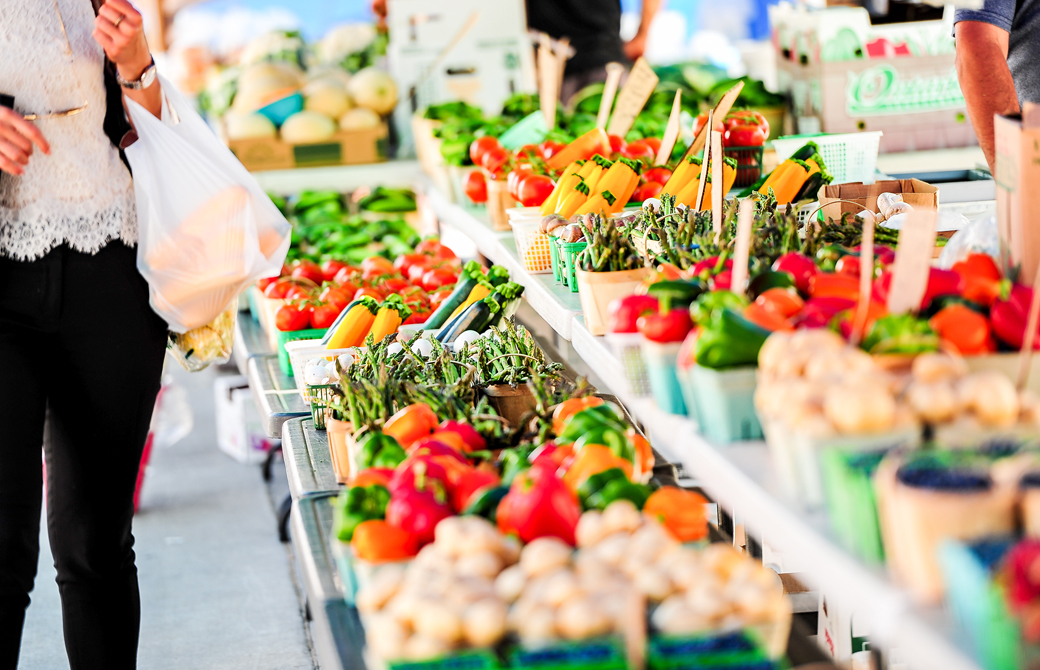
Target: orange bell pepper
829, 285
371, 476
982, 279
411, 423
452, 439
965, 329
588, 145
784, 301
645, 460
569, 408
680, 511
377, 541
593, 458
763, 316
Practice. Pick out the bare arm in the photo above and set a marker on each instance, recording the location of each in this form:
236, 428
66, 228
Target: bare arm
635, 47
119, 29
985, 79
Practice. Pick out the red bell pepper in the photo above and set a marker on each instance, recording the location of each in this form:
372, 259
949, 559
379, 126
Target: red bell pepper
829, 285
964, 329
706, 267
1009, 317
539, 505
983, 282
474, 440
420, 507
670, 327
623, 313
940, 283
429, 446
552, 453
799, 266
471, 484
818, 312
407, 473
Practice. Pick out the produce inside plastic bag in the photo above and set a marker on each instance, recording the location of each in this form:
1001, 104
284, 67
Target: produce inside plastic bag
200, 347
979, 236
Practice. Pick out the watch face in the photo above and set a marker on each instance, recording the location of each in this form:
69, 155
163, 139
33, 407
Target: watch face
148, 77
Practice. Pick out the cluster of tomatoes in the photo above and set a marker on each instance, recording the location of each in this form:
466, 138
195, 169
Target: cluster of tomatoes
740, 128
528, 179
316, 294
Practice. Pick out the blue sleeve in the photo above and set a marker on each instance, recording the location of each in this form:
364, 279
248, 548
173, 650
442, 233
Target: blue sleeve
1000, 13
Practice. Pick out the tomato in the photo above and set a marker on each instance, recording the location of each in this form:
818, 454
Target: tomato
438, 296
651, 189
346, 275
534, 189
296, 316
433, 246
513, 179
262, 284
299, 293
476, 186
481, 146
416, 272
747, 116
496, 161
702, 121
549, 148
324, 314
617, 144
406, 262
418, 316
652, 142
658, 174
438, 277
745, 135
280, 288
309, 271
376, 266
638, 150
395, 285
331, 268
338, 297
370, 292
530, 151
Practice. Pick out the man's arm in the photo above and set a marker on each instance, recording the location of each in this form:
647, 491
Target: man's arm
986, 82
635, 47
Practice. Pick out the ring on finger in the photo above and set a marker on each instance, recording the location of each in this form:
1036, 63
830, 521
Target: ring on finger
119, 20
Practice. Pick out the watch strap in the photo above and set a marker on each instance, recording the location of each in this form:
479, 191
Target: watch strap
140, 82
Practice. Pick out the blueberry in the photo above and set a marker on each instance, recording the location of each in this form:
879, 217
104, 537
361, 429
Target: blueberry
929, 476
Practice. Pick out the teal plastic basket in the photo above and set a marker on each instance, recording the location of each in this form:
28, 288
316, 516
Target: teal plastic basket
291, 336
662, 370
554, 258
686, 388
848, 485
569, 251
726, 403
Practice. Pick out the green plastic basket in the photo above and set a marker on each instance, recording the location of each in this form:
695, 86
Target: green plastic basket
662, 371
469, 659
291, 336
320, 397
725, 403
603, 653
848, 485
722, 650
749, 164
570, 251
554, 257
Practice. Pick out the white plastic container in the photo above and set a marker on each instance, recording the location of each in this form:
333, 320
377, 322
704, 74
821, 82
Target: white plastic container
850, 157
532, 246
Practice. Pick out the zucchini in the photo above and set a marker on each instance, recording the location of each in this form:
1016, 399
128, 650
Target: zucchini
806, 152
810, 188
470, 277
497, 275
476, 318
508, 298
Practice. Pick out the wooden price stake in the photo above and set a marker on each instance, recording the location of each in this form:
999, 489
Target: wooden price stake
913, 260
634, 94
721, 110
745, 221
866, 281
716, 182
1025, 358
548, 70
703, 179
671, 131
563, 54
614, 72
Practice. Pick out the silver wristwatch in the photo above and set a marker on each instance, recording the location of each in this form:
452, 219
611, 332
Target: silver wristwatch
146, 79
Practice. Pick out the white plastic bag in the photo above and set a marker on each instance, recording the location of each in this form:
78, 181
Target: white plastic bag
206, 230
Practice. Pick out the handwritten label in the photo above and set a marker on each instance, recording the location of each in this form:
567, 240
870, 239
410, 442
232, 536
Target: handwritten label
634, 94
614, 72
721, 110
745, 221
717, 180
703, 179
913, 259
671, 131
866, 280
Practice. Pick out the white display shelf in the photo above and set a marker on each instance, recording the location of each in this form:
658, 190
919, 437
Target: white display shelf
342, 178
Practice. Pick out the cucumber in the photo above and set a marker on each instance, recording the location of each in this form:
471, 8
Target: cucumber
476, 318
810, 187
806, 152
508, 298
467, 280
497, 275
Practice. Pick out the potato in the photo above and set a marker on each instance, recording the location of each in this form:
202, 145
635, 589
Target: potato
421, 648
537, 627
621, 515
934, 402
484, 622
384, 585
862, 408
510, 583
483, 564
582, 618
386, 635
590, 528
434, 619
544, 555
935, 367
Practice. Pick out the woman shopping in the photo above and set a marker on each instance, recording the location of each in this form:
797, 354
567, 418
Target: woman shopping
81, 350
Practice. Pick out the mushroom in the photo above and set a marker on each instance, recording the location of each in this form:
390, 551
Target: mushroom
484, 622
543, 555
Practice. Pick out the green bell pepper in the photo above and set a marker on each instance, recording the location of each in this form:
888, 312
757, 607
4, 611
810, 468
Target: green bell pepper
768, 279
729, 340
619, 489
486, 504
600, 416
379, 450
827, 256
514, 461
596, 482
610, 437
709, 305
358, 504
676, 292
900, 334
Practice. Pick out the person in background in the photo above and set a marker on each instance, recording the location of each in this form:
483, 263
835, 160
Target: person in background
594, 30
998, 62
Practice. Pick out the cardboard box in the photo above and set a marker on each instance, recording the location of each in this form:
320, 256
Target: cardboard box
1018, 198
846, 75
346, 147
916, 193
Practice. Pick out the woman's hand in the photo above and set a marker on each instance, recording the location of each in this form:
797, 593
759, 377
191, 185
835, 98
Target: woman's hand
17, 137
119, 29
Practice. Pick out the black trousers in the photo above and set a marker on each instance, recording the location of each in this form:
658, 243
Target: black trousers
80, 351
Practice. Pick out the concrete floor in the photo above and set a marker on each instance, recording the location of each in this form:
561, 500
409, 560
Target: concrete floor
216, 585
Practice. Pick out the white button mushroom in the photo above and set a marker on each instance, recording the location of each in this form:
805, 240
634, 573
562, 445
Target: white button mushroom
423, 348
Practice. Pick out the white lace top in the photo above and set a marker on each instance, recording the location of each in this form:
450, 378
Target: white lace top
82, 193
